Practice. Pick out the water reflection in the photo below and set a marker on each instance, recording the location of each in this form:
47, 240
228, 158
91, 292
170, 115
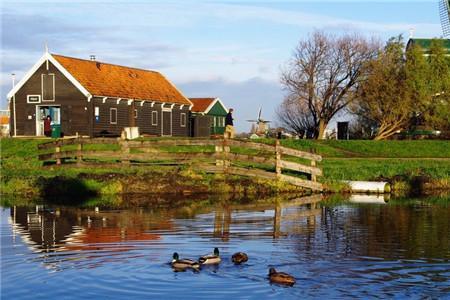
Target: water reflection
52, 229
358, 247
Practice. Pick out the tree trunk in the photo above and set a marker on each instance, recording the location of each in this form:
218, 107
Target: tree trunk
322, 127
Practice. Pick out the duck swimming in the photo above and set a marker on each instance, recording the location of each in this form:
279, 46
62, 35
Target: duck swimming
239, 257
210, 259
183, 264
281, 277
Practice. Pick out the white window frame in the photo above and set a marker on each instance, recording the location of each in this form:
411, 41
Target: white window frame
110, 115
42, 88
28, 99
135, 113
155, 118
183, 118
97, 111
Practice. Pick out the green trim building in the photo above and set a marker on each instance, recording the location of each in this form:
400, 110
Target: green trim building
425, 44
214, 110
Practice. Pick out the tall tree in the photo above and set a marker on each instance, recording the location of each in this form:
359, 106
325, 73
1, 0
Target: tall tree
437, 113
322, 77
384, 97
417, 72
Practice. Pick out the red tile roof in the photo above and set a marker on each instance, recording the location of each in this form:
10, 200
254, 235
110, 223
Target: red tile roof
201, 104
103, 79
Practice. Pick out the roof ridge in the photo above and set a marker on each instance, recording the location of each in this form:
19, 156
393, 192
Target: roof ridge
105, 63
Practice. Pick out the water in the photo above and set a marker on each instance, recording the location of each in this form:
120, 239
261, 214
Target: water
335, 250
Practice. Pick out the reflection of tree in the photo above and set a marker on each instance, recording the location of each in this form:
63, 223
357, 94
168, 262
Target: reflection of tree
384, 231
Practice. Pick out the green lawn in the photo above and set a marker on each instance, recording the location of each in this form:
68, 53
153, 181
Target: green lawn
366, 148
342, 160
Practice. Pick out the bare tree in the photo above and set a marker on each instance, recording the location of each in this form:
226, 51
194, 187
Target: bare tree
294, 116
323, 74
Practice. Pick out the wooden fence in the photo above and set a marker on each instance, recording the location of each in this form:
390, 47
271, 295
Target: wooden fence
230, 156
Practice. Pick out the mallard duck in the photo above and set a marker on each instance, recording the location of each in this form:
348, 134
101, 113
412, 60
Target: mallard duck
183, 264
239, 257
210, 258
280, 277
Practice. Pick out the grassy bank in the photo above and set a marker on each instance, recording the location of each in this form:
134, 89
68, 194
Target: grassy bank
24, 175
407, 165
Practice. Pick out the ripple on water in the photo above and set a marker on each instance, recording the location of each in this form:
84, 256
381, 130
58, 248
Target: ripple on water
333, 252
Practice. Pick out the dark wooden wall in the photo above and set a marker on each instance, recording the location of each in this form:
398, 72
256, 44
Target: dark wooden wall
77, 114
73, 103
144, 117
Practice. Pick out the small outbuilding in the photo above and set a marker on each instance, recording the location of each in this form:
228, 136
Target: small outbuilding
425, 44
208, 113
93, 98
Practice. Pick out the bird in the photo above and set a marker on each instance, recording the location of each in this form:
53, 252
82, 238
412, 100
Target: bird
210, 259
239, 257
281, 277
183, 264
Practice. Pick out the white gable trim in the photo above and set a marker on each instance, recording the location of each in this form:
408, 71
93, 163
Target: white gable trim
44, 59
214, 103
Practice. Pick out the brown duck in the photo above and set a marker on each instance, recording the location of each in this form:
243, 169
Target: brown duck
281, 277
239, 258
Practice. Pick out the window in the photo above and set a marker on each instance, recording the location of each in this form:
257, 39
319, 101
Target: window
135, 114
33, 98
154, 118
96, 111
48, 87
113, 115
215, 121
183, 120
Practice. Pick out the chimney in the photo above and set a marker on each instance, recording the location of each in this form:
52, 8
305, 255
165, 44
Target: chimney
92, 57
411, 33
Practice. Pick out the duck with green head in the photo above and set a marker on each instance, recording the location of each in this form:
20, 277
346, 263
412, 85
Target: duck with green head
281, 277
210, 259
183, 264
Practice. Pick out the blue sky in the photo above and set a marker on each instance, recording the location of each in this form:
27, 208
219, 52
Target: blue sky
228, 49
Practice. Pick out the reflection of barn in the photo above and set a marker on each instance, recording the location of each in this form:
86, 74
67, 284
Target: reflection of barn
72, 229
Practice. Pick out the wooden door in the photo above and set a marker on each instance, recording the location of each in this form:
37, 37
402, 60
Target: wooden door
166, 123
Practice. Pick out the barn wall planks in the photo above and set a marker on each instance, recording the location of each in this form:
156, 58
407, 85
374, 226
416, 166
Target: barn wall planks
78, 115
72, 102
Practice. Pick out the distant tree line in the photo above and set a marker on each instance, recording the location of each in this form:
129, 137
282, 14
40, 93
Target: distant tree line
387, 88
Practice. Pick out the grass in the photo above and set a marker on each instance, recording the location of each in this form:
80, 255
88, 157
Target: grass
342, 160
371, 149
371, 160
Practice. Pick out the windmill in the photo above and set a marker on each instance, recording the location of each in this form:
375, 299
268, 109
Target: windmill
261, 124
444, 12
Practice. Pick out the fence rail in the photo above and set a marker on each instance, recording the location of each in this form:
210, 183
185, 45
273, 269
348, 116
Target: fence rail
237, 157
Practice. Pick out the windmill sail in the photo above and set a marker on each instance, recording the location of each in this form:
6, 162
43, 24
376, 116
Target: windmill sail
444, 12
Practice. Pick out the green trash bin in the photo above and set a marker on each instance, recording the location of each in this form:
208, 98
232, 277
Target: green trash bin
56, 131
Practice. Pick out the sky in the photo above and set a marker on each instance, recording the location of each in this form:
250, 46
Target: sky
233, 50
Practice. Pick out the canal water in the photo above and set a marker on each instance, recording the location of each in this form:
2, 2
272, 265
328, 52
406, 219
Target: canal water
364, 247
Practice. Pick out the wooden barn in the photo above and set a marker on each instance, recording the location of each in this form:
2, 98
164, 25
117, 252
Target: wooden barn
208, 113
92, 98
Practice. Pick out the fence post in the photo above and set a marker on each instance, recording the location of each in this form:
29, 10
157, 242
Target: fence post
58, 151
278, 158
219, 151
226, 150
79, 151
313, 164
125, 151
